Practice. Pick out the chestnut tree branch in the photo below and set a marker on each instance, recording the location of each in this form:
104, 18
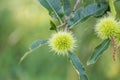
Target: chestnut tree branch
71, 15
75, 6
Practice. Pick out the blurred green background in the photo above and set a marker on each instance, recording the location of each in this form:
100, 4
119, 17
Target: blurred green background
24, 21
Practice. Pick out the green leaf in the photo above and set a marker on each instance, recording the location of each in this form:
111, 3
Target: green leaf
53, 26
78, 66
84, 13
37, 44
100, 1
66, 7
32, 47
117, 7
98, 51
101, 12
54, 7
112, 8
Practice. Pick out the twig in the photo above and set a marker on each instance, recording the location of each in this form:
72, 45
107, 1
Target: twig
61, 25
71, 15
66, 27
75, 6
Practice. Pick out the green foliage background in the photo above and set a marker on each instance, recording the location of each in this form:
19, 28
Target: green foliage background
24, 21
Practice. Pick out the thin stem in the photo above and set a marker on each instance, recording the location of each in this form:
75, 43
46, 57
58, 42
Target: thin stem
75, 7
66, 27
61, 25
76, 4
71, 15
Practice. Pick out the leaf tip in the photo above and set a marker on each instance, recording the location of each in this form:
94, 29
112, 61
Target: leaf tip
90, 62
